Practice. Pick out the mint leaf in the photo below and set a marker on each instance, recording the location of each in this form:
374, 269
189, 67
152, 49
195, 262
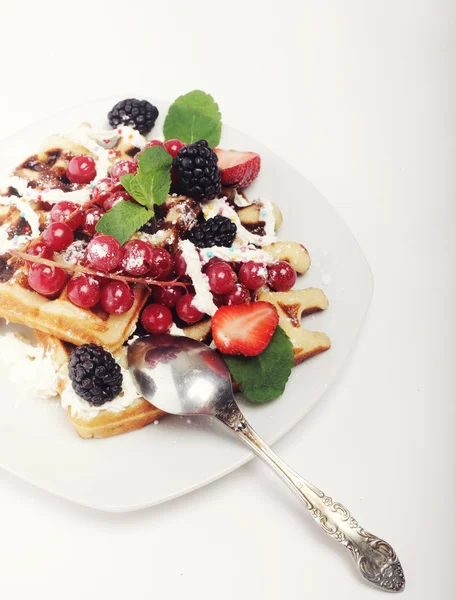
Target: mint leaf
152, 181
194, 116
263, 377
123, 220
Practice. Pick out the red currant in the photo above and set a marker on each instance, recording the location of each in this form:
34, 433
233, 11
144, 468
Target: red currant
123, 167
84, 291
115, 198
137, 258
90, 219
105, 187
239, 295
40, 249
58, 236
104, 253
156, 318
221, 278
218, 300
81, 169
67, 212
116, 297
167, 295
180, 266
253, 275
212, 261
46, 280
282, 276
173, 147
186, 311
162, 264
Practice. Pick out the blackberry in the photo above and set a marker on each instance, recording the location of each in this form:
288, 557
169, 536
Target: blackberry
94, 374
198, 175
217, 231
139, 114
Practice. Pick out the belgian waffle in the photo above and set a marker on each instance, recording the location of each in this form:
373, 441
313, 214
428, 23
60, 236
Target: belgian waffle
292, 306
18, 302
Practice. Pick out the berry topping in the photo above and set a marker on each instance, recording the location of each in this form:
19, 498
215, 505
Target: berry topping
84, 291
198, 175
244, 329
46, 280
105, 187
90, 219
139, 114
94, 374
137, 258
161, 264
180, 267
173, 147
116, 297
123, 167
239, 295
282, 276
115, 198
40, 249
238, 169
156, 318
216, 231
253, 275
81, 169
167, 295
61, 212
186, 311
104, 253
221, 277
58, 236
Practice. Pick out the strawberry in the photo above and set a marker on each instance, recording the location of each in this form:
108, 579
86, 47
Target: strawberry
238, 169
244, 328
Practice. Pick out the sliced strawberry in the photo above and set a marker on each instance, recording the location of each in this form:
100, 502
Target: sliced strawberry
238, 169
244, 328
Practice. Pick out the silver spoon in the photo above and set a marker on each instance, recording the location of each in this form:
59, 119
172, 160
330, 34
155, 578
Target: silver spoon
184, 377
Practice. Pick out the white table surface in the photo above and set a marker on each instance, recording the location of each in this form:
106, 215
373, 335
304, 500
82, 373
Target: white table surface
360, 96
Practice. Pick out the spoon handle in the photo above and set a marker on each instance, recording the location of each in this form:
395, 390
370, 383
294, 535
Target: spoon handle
375, 558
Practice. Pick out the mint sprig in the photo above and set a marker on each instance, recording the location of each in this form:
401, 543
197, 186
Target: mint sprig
123, 220
152, 181
194, 116
149, 187
263, 377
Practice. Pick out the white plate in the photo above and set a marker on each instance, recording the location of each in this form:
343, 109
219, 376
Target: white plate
155, 464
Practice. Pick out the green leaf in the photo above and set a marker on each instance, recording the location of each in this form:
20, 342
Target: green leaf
151, 183
263, 377
194, 116
123, 220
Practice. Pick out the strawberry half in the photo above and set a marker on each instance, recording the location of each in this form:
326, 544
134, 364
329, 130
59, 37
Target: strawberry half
238, 169
244, 328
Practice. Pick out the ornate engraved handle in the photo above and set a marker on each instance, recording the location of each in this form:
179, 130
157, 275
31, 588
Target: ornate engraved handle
374, 557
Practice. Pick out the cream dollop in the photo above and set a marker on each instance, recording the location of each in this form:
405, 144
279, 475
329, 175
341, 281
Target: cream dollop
81, 408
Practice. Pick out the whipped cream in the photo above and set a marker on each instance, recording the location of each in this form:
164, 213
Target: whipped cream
240, 201
203, 298
28, 365
244, 237
81, 408
175, 330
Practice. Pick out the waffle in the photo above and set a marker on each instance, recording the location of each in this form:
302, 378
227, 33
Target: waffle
291, 307
58, 316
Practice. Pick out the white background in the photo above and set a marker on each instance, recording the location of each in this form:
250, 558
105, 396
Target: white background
360, 96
